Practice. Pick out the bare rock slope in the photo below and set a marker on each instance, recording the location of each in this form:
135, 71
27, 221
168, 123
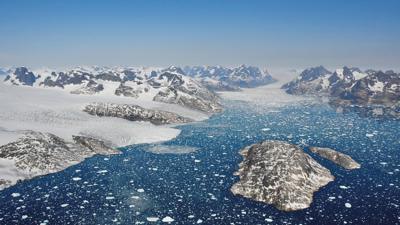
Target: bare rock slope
341, 159
134, 113
38, 153
280, 174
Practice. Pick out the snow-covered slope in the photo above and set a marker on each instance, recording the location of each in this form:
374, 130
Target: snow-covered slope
40, 119
55, 111
169, 85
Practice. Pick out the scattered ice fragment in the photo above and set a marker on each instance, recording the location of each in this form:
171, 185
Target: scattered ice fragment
152, 219
167, 219
64, 205
191, 216
24, 217
109, 197
102, 171
347, 205
343, 187
140, 190
14, 195
369, 135
266, 129
197, 160
199, 221
76, 178
269, 220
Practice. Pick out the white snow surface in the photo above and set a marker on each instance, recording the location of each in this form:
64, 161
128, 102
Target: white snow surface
56, 111
268, 95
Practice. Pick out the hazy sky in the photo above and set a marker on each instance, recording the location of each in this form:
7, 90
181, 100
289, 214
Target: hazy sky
265, 33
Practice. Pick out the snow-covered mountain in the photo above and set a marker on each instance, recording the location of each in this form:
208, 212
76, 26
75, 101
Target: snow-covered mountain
169, 85
229, 79
351, 84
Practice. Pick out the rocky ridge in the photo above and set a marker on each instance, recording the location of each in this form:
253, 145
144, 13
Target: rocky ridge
134, 113
339, 158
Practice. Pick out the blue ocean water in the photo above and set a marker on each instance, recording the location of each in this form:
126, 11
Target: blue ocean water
193, 188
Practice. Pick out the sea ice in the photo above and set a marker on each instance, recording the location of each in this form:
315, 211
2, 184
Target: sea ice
168, 219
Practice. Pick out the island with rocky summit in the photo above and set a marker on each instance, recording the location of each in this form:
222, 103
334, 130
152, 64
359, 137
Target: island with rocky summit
280, 174
36, 154
339, 158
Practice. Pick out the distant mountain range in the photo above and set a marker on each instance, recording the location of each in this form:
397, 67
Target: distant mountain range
350, 86
229, 79
370, 86
192, 87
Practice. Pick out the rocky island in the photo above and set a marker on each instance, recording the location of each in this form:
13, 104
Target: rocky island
280, 174
340, 159
36, 154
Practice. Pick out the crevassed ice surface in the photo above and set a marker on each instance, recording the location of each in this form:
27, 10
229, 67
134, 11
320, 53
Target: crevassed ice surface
140, 187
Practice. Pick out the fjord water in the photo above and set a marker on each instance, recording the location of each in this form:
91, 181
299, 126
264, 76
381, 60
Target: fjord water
140, 186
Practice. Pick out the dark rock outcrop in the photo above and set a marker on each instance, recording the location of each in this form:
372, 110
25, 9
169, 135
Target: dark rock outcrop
341, 159
280, 174
134, 113
21, 76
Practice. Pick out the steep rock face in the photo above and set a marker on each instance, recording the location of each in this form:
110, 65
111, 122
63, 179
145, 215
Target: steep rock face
280, 174
176, 88
134, 113
310, 81
21, 76
376, 88
341, 159
38, 153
